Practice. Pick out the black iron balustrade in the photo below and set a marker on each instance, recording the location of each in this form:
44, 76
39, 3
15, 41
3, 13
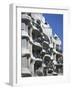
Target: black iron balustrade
37, 25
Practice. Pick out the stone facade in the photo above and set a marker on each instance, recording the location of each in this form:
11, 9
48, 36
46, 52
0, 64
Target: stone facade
41, 50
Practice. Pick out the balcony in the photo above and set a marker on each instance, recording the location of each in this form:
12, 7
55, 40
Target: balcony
47, 59
25, 72
24, 34
43, 51
46, 42
25, 52
59, 49
25, 18
45, 37
36, 26
36, 59
57, 52
37, 44
45, 46
36, 31
38, 39
47, 56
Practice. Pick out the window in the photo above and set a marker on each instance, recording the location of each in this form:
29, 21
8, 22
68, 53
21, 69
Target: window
25, 43
24, 62
24, 27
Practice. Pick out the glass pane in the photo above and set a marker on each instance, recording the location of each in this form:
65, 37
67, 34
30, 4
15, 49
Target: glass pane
23, 26
24, 62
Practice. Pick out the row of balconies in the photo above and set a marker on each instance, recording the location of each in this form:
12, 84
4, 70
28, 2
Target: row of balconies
42, 41
38, 42
36, 25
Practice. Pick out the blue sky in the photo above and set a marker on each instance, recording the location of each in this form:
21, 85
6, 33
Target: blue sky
56, 23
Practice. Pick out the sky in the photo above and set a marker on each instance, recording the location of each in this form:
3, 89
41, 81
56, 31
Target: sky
56, 23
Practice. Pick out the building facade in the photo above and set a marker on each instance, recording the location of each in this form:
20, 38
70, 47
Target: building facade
41, 52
